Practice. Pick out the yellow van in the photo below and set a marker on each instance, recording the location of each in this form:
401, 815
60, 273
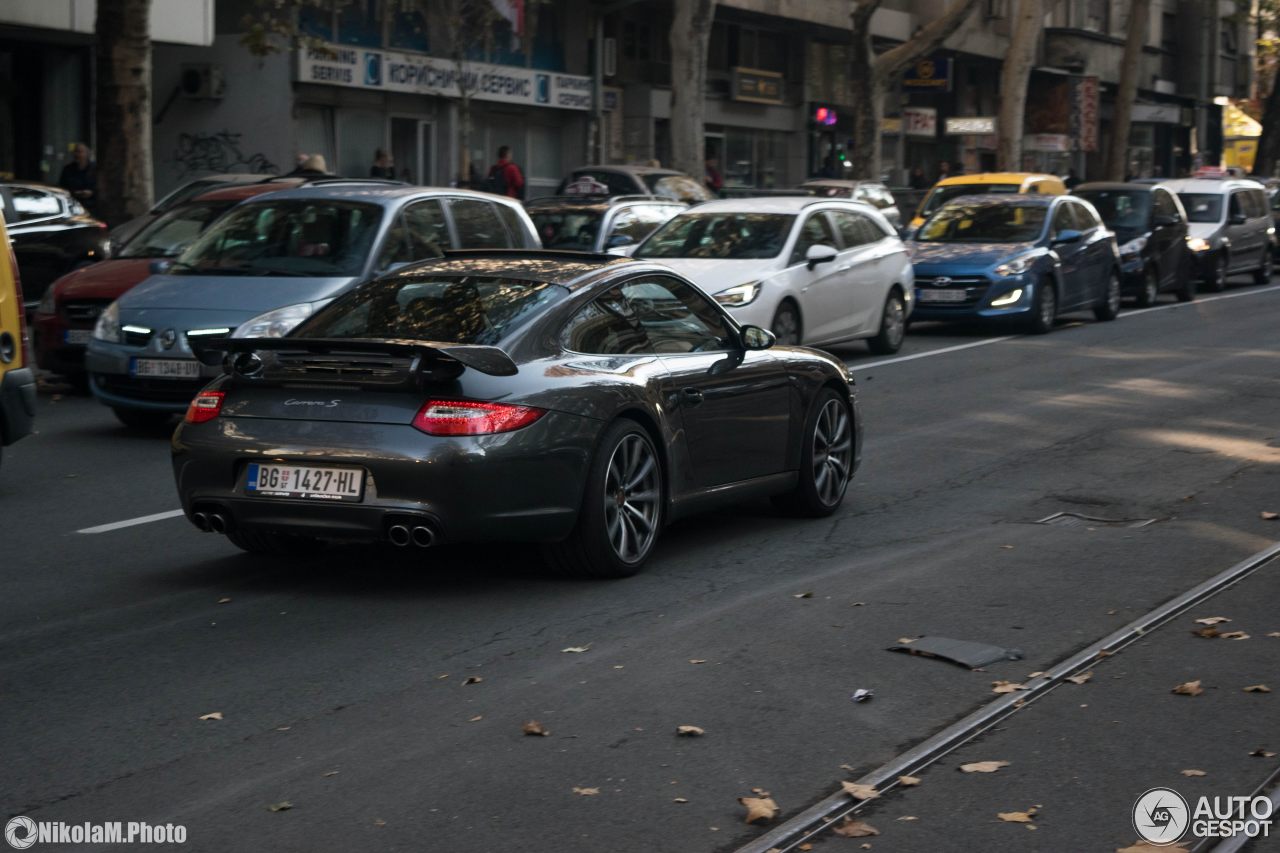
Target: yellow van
986, 182
17, 379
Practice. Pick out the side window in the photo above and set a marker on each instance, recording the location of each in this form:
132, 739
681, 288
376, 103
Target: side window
1162, 204
477, 225
676, 317
1259, 199
636, 222
428, 232
855, 229
396, 248
1235, 207
605, 326
31, 203
1085, 220
1063, 220
816, 231
515, 225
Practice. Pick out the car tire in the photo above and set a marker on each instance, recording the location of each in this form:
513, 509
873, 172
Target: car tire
1044, 309
268, 544
786, 324
1150, 291
624, 488
142, 418
1109, 308
1215, 280
893, 326
1262, 275
826, 458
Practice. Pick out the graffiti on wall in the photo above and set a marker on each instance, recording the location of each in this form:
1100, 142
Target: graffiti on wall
217, 152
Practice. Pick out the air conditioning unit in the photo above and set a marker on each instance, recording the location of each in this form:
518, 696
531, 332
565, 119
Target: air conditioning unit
610, 62
202, 81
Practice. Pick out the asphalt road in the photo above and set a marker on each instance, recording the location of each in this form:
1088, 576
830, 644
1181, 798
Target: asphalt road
342, 680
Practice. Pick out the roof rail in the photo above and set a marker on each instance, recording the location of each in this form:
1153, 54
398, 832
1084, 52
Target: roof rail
331, 180
562, 254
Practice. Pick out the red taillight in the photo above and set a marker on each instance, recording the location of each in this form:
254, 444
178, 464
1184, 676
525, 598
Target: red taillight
205, 407
468, 417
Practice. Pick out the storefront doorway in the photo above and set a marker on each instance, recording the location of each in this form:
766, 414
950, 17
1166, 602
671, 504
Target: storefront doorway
412, 143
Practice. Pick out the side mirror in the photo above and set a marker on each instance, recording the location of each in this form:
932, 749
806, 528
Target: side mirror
619, 240
1238, 219
1165, 220
160, 265
756, 338
622, 251
819, 254
1067, 235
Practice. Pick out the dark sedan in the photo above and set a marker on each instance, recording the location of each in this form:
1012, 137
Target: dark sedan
1025, 258
52, 234
581, 401
1151, 228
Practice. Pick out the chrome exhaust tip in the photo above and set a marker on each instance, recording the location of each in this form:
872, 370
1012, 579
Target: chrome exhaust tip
399, 535
423, 536
201, 521
217, 522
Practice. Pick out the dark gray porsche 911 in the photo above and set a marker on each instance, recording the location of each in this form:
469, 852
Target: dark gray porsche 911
581, 401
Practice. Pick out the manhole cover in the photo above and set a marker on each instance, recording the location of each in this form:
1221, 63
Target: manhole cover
1075, 519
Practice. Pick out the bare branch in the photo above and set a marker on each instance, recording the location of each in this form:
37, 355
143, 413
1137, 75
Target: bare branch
893, 62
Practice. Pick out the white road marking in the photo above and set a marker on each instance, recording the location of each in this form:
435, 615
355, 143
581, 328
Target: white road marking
130, 522
1199, 300
942, 351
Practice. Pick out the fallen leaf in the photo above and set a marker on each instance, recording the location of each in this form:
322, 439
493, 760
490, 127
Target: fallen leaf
1274, 634
1266, 515
1007, 547
472, 679
851, 828
908, 781
280, 807
534, 728
848, 767
858, 604
576, 650
805, 848
908, 817
477, 718
223, 600
760, 792
1018, 817
1081, 678
1006, 686
1257, 688
1208, 632
1212, 620
903, 641
801, 595
216, 715
696, 660
442, 677
983, 766
1103, 653
860, 792
1190, 688
1190, 773
586, 792
283, 728
1036, 674
329, 773
1233, 635
759, 808
379, 822
679, 800
1262, 753
690, 731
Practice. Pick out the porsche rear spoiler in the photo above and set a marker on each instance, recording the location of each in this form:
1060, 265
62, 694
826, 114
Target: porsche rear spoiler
489, 360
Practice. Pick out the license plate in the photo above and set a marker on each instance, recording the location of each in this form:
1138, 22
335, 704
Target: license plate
78, 336
165, 368
302, 481
941, 295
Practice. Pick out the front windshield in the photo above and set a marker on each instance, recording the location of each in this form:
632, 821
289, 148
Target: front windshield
1202, 207
286, 237
736, 236
1127, 212
166, 236
938, 196
444, 309
984, 223
574, 229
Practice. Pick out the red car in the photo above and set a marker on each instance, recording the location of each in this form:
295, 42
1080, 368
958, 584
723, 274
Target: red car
64, 321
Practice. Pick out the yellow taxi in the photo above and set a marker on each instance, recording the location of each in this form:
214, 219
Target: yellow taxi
986, 182
17, 379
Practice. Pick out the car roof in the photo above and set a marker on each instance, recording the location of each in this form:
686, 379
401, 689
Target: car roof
1113, 186
1021, 199
997, 178
840, 182
552, 266
384, 194
634, 170
772, 204
599, 203
1212, 186
36, 185
239, 192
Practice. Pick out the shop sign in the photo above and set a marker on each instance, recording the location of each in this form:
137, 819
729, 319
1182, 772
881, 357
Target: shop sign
1085, 113
931, 74
757, 87
971, 126
920, 121
1157, 113
1047, 142
417, 73
891, 125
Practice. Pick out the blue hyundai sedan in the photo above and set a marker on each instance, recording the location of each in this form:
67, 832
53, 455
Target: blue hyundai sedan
1024, 258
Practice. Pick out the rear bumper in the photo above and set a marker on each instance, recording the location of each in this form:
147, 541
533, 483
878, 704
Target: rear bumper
111, 382
52, 350
17, 404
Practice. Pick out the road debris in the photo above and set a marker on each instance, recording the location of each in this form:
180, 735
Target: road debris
983, 766
964, 652
1189, 688
862, 695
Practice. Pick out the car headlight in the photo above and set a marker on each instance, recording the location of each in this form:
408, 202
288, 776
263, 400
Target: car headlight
739, 295
1198, 244
1008, 299
48, 302
1134, 246
1017, 266
274, 324
108, 326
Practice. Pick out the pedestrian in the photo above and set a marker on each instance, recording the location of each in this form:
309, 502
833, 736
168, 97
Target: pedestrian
918, 180
714, 180
311, 166
80, 176
505, 177
383, 166
944, 170
1072, 180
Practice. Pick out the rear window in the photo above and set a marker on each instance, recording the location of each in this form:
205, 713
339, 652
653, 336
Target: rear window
1202, 207
677, 188
939, 196
567, 229
444, 309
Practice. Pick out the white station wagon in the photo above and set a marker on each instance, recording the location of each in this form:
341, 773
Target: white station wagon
813, 271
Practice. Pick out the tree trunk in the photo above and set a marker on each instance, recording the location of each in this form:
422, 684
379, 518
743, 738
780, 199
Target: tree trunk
689, 37
1269, 143
1014, 78
1118, 151
123, 107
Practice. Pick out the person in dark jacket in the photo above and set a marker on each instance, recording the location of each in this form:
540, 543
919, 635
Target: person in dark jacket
383, 166
80, 176
505, 177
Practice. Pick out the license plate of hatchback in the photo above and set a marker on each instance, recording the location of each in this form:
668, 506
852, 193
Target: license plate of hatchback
301, 481
942, 295
165, 368
78, 336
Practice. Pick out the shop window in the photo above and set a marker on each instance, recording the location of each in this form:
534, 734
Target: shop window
548, 50
316, 132
545, 150
316, 22
637, 40
360, 134
718, 48
359, 23
409, 30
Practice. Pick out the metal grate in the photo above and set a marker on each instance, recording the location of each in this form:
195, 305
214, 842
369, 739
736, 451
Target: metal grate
1075, 519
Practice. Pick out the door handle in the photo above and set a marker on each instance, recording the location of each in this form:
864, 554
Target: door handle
691, 396
844, 268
